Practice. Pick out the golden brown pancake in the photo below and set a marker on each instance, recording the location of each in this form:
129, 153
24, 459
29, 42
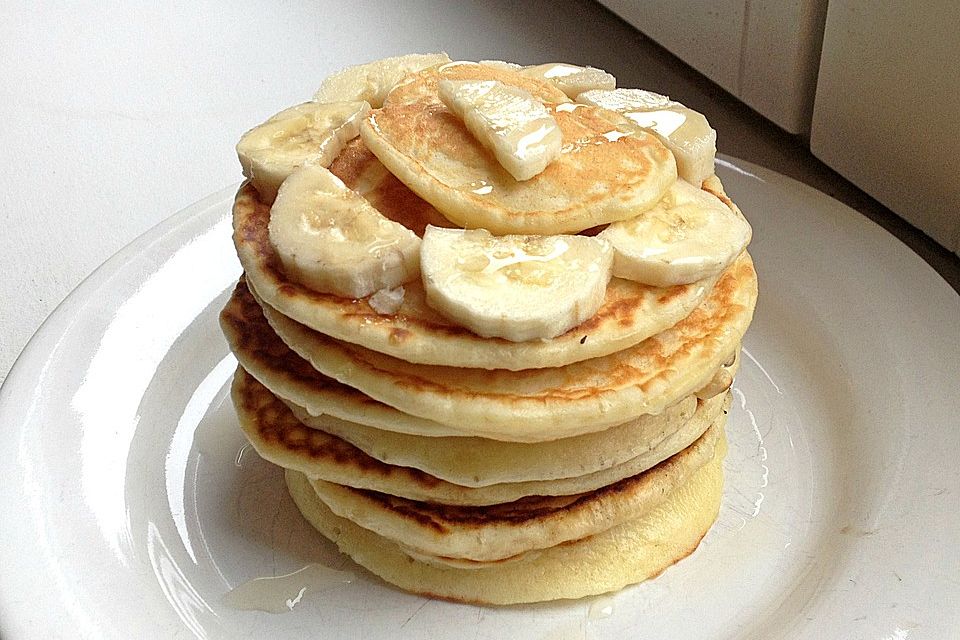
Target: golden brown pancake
545, 404
481, 462
280, 437
607, 170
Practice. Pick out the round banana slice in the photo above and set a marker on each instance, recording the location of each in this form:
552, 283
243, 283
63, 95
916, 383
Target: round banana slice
689, 235
373, 81
329, 238
684, 131
571, 79
307, 133
514, 287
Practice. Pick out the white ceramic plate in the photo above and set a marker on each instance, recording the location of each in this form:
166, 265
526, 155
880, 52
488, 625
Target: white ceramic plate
130, 507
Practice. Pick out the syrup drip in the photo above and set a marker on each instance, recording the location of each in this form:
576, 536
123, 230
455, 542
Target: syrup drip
280, 594
600, 608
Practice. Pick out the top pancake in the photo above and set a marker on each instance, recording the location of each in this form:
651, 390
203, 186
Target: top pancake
631, 312
608, 170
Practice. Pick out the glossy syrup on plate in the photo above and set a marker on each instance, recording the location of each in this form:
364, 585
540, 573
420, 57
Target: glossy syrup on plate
280, 594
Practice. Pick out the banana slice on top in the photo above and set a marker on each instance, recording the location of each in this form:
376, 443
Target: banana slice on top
684, 131
330, 239
307, 133
514, 287
374, 80
570, 78
509, 121
689, 235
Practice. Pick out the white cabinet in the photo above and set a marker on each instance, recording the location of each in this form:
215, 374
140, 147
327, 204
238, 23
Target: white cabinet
763, 52
887, 113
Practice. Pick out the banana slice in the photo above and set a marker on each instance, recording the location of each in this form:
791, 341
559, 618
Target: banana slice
687, 236
307, 133
373, 81
684, 131
508, 120
514, 287
571, 79
332, 240
501, 64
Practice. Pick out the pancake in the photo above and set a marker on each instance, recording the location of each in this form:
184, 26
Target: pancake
463, 563
264, 356
632, 552
279, 437
545, 404
499, 531
630, 313
607, 170
477, 462
480, 462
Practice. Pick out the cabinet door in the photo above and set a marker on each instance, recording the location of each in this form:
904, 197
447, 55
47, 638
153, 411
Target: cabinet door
887, 110
765, 52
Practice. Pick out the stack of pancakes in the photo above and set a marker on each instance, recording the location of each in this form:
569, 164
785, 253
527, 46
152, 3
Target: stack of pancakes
477, 468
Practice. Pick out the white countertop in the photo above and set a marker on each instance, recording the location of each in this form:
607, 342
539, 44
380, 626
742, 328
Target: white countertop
118, 114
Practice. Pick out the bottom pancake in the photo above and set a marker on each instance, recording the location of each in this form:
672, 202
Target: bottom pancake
629, 553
